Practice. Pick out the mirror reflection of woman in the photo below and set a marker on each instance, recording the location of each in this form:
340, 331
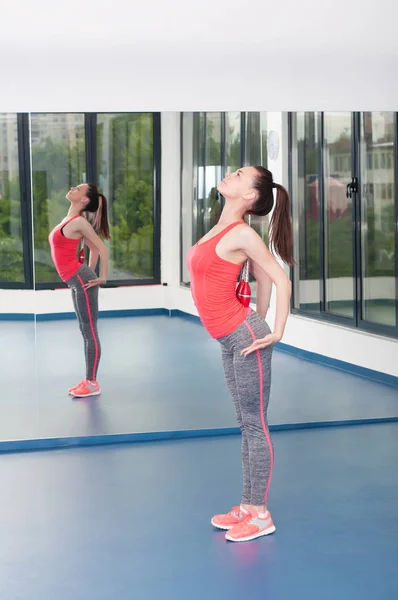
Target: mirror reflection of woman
87, 221
245, 338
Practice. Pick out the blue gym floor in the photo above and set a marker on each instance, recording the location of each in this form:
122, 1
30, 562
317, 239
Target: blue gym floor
132, 521
158, 374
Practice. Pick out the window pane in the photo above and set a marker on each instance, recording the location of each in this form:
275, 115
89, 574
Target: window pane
212, 208
339, 269
189, 167
11, 241
126, 177
232, 141
305, 206
58, 162
199, 144
256, 139
377, 210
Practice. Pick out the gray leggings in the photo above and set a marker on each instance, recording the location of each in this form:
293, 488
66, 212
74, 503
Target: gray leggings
85, 303
249, 381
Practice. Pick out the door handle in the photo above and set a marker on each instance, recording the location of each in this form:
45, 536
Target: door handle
352, 187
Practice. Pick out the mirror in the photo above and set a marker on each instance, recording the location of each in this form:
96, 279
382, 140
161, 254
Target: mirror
116, 152
18, 400
158, 369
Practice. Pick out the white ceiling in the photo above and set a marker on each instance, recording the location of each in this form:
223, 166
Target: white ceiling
156, 55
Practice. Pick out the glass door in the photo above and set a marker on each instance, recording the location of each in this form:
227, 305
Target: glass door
377, 233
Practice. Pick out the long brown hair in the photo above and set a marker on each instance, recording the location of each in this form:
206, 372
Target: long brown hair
280, 226
98, 208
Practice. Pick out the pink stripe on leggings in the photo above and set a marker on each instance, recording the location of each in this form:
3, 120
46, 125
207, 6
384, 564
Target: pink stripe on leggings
91, 327
265, 428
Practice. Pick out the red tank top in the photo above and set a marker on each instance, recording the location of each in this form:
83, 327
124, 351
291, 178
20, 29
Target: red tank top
213, 287
64, 251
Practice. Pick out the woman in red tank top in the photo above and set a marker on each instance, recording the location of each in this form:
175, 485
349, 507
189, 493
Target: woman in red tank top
87, 222
245, 338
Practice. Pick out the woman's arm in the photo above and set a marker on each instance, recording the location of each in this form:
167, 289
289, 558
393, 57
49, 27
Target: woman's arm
254, 247
94, 255
264, 289
96, 245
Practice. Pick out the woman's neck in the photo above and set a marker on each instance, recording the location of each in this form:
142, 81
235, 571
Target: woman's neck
72, 212
230, 215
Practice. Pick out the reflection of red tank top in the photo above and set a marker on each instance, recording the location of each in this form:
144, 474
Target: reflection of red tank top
64, 251
213, 287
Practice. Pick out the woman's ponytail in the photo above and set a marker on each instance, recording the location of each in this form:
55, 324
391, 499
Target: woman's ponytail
98, 206
280, 227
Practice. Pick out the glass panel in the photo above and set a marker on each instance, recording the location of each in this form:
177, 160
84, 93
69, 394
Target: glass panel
232, 141
256, 139
11, 239
58, 162
305, 206
339, 268
199, 144
377, 210
126, 177
189, 166
212, 208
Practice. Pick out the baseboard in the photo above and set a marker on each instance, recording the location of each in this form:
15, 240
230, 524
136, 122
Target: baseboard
17, 317
340, 365
103, 314
33, 445
106, 314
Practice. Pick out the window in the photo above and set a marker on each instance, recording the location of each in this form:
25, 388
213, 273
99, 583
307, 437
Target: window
58, 158
125, 164
344, 208
306, 211
378, 258
212, 144
42, 155
15, 239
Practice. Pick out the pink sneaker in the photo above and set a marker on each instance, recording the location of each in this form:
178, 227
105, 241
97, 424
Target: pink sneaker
72, 389
86, 389
229, 520
251, 527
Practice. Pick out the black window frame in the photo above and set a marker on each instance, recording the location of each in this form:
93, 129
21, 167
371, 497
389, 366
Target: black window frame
90, 123
243, 159
25, 206
356, 323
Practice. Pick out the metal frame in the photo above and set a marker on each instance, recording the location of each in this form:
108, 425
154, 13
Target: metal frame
203, 158
25, 206
357, 322
90, 122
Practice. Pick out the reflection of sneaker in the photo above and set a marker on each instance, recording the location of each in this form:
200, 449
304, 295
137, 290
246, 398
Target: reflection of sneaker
72, 389
235, 516
87, 388
251, 527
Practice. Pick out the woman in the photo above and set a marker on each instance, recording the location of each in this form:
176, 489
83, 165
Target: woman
245, 338
65, 240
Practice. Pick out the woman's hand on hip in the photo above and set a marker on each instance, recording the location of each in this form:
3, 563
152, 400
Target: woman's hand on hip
268, 340
93, 282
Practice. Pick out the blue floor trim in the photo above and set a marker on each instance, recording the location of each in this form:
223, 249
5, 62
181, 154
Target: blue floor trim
17, 317
106, 314
339, 364
103, 314
156, 436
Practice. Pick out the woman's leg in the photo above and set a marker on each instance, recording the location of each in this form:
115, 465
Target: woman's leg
253, 382
86, 307
230, 378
